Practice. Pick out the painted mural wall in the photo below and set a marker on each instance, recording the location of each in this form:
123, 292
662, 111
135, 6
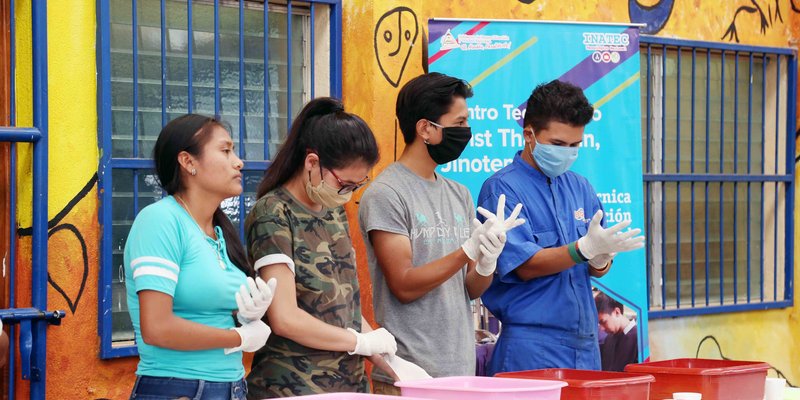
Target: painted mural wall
383, 48
396, 31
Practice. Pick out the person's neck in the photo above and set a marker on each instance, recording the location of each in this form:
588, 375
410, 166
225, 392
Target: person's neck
201, 208
415, 157
297, 187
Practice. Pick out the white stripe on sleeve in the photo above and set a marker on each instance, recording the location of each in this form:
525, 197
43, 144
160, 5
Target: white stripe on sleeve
155, 271
274, 259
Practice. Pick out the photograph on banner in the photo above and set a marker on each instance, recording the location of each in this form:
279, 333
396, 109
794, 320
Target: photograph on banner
504, 61
618, 336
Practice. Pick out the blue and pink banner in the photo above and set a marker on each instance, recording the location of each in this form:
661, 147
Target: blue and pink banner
504, 61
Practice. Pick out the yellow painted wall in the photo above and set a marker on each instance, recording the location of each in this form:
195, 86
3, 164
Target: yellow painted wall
771, 336
75, 371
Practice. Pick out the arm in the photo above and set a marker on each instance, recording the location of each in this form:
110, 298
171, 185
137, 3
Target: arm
3, 346
161, 327
291, 322
406, 282
545, 262
475, 282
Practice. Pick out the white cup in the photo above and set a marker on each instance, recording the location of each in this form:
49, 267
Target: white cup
773, 389
687, 396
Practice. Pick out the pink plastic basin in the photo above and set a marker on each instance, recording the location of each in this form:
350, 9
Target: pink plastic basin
350, 396
482, 388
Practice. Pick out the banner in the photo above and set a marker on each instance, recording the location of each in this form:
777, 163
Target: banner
504, 61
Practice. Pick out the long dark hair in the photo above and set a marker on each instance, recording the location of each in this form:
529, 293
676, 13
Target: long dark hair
189, 133
322, 126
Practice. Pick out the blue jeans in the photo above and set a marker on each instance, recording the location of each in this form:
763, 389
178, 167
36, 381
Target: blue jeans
157, 388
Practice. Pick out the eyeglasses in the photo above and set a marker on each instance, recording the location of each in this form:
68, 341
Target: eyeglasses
345, 187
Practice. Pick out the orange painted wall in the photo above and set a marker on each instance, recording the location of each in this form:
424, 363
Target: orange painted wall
771, 336
75, 371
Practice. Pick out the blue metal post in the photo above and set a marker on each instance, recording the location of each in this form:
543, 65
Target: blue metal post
135, 55
336, 49
266, 82
722, 185
705, 199
694, 70
163, 62
648, 189
777, 185
678, 184
311, 33
749, 162
791, 119
735, 170
242, 110
663, 184
762, 250
217, 100
40, 182
288, 67
190, 57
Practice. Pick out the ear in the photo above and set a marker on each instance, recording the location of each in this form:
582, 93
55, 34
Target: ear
186, 161
527, 134
311, 161
423, 128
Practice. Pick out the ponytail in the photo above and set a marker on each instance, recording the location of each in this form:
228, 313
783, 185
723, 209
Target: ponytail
338, 137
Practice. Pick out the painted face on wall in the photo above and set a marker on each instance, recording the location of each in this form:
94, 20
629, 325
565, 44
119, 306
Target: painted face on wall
395, 34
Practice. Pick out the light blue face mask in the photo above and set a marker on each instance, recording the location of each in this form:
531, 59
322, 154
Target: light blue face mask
553, 160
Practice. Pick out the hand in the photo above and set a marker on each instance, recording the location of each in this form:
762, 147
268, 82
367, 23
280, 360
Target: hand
254, 335
501, 224
599, 240
601, 261
254, 299
379, 341
492, 245
496, 222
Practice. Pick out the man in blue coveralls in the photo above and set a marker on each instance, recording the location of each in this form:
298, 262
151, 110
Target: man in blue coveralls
541, 291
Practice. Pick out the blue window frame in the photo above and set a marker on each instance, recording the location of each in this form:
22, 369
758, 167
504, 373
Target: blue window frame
253, 63
719, 175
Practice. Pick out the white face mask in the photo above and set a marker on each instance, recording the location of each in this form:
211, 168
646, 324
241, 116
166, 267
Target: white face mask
325, 195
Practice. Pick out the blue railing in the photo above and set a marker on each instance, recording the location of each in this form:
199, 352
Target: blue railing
710, 273
29, 324
138, 163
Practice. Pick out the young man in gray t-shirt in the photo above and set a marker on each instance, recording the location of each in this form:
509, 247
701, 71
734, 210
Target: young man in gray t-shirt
425, 261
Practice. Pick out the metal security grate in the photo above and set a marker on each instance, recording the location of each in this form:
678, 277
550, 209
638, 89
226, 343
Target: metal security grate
252, 63
719, 175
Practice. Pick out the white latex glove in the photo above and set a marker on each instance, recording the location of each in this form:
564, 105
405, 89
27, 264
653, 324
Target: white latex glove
254, 298
600, 261
492, 245
472, 247
254, 336
494, 221
499, 223
379, 341
599, 240
405, 370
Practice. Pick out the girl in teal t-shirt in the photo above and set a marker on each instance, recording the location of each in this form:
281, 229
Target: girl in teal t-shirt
187, 273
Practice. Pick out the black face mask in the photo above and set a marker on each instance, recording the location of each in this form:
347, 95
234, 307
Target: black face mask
454, 141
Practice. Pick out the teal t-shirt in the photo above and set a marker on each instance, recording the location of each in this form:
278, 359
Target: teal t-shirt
167, 252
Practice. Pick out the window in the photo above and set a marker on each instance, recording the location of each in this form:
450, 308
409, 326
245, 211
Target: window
719, 185
252, 63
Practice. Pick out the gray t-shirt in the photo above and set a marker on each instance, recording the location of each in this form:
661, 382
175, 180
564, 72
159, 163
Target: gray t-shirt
435, 331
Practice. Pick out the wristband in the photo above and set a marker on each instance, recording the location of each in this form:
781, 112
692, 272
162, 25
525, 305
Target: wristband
572, 248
